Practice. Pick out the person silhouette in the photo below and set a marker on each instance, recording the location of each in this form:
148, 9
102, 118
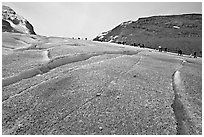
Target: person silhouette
194, 55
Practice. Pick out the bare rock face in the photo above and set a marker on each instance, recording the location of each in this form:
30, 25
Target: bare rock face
12, 22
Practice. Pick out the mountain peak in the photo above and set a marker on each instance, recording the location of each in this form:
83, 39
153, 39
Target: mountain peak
12, 22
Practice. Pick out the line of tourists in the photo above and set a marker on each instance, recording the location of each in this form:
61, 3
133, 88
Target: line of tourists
179, 51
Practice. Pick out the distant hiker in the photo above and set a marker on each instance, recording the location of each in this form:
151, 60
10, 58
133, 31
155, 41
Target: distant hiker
194, 55
180, 52
142, 46
160, 49
123, 42
165, 49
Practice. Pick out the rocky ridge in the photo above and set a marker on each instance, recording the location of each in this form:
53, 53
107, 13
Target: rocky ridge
172, 31
12, 22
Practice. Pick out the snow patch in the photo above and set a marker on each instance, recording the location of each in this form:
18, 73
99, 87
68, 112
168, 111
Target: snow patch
176, 27
20, 27
115, 37
126, 23
111, 40
101, 36
46, 55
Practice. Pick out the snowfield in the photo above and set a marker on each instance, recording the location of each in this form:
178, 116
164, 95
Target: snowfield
65, 86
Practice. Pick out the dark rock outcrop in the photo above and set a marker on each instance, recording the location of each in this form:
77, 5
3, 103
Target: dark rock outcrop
12, 22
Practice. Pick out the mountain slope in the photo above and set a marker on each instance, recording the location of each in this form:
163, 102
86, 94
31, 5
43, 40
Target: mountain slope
12, 22
173, 31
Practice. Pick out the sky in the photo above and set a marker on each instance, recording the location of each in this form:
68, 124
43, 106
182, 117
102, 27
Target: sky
88, 19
